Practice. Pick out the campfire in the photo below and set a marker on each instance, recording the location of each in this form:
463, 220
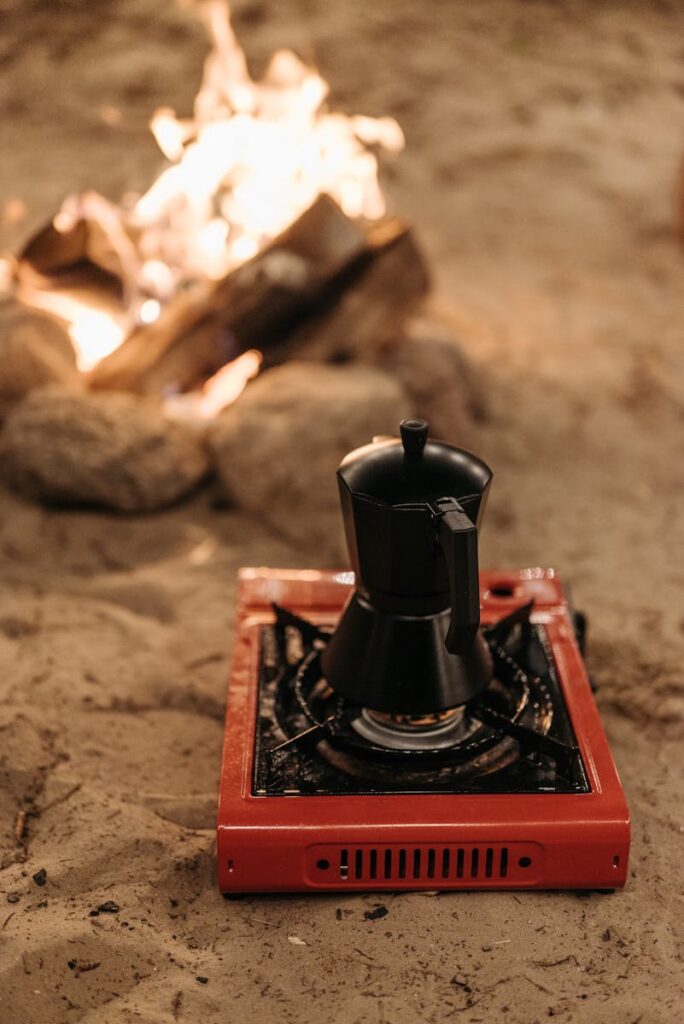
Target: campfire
263, 241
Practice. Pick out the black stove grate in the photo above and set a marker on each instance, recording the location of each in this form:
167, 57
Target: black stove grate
519, 737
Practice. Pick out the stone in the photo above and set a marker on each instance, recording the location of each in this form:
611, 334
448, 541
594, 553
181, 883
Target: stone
108, 449
276, 450
431, 366
35, 350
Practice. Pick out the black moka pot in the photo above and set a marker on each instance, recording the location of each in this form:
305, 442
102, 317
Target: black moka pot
408, 641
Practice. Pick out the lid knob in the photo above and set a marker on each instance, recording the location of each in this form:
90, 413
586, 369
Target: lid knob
414, 435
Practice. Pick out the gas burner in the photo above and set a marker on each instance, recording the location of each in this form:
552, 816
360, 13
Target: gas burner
414, 732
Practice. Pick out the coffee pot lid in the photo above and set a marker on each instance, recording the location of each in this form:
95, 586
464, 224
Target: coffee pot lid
413, 470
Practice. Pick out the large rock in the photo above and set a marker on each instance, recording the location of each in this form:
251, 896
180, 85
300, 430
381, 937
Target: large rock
34, 351
277, 448
109, 449
429, 362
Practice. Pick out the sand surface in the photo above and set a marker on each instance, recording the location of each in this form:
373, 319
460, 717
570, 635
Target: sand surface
543, 142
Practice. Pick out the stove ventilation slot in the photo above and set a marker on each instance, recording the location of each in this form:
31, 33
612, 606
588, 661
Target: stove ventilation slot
422, 863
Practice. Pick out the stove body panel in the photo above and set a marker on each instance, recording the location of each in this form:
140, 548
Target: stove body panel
410, 840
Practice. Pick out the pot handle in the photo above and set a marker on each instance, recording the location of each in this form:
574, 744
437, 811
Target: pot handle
457, 536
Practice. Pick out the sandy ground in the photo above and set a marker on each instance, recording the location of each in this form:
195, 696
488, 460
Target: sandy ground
543, 141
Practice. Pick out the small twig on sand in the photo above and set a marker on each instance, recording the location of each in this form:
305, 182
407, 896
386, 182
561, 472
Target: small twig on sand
20, 825
556, 963
176, 1005
58, 800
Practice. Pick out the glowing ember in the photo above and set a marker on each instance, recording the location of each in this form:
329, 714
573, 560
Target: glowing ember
253, 158
228, 384
95, 333
218, 392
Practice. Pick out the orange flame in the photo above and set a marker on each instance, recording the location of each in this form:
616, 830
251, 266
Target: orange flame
252, 159
218, 392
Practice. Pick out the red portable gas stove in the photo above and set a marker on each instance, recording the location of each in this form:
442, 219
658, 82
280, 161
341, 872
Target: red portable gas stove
376, 739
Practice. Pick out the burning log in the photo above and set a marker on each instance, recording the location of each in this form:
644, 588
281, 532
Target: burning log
380, 293
324, 288
87, 237
254, 306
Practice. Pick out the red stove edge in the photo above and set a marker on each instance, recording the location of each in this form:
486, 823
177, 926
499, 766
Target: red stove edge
432, 841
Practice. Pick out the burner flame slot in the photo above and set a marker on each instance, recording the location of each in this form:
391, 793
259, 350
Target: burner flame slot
474, 862
344, 864
446, 858
503, 863
402, 863
373, 868
416, 863
460, 858
489, 862
388, 863
358, 864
